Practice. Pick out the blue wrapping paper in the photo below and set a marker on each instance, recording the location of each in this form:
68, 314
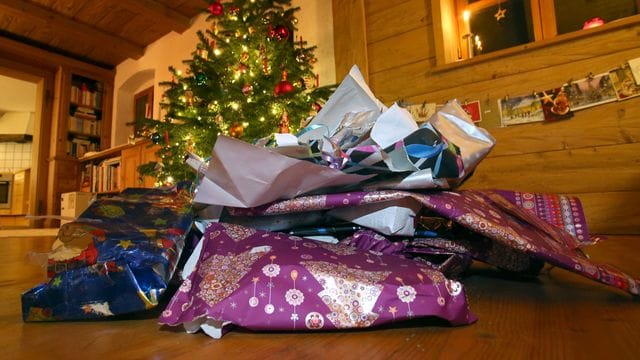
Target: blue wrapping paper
117, 258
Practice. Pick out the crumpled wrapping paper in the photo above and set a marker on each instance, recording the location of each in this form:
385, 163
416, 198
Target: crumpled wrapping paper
270, 281
352, 143
117, 258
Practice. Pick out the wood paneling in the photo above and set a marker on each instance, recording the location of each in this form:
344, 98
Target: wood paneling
595, 155
82, 33
406, 48
103, 32
349, 22
396, 19
595, 169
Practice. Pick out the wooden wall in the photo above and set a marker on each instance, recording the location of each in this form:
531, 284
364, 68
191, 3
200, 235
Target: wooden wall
595, 155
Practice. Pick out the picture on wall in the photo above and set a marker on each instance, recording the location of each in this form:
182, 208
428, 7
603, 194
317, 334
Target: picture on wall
590, 91
473, 109
634, 64
555, 104
624, 83
520, 110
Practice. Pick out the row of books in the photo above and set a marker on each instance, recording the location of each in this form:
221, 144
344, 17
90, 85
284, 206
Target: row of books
103, 176
84, 126
77, 147
81, 95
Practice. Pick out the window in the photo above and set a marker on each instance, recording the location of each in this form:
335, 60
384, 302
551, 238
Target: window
474, 27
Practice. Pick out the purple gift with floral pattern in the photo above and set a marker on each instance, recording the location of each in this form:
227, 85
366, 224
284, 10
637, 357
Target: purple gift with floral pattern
261, 280
512, 230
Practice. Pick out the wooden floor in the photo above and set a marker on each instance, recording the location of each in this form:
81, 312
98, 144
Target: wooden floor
557, 315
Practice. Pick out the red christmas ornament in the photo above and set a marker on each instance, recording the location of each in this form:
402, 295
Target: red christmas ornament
317, 107
283, 87
234, 10
216, 8
282, 32
247, 89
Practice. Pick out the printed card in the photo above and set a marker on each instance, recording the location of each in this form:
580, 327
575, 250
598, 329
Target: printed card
520, 110
624, 83
555, 104
473, 109
590, 91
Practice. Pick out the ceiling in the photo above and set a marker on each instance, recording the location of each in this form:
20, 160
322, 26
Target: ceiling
102, 32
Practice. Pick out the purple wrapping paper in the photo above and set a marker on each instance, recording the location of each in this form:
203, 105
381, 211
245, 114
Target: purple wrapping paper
491, 215
270, 281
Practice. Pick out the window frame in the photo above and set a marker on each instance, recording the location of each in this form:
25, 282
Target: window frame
452, 52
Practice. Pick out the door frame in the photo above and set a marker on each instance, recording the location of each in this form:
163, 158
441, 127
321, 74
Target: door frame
44, 80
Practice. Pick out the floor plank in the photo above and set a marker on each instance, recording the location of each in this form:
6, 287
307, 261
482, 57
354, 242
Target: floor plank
556, 315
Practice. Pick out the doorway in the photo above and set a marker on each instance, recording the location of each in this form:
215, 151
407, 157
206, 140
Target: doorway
24, 144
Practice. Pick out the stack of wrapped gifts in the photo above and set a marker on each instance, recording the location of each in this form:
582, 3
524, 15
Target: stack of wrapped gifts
354, 223
351, 223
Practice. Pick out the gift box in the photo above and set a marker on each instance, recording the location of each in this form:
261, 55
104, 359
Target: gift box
116, 258
262, 280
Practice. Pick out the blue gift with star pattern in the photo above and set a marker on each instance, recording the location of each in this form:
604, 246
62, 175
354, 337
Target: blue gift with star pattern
116, 258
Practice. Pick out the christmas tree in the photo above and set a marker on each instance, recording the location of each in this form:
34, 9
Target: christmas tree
248, 78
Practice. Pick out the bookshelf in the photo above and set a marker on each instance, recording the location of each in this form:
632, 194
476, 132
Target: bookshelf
81, 113
84, 124
114, 169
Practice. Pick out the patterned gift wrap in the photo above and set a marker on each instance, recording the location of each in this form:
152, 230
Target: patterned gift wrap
117, 258
512, 230
271, 281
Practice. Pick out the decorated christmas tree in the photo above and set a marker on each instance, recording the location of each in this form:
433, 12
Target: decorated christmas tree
249, 77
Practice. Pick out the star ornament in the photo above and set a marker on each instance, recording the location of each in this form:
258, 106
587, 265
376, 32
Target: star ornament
125, 244
546, 98
501, 14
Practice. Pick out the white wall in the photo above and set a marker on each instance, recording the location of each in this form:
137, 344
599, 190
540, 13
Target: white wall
315, 25
17, 95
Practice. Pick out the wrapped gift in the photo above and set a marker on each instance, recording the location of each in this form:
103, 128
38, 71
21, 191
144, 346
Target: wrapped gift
117, 258
271, 281
514, 231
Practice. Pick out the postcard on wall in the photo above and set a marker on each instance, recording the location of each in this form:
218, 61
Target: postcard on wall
555, 104
473, 109
590, 91
520, 110
623, 82
634, 64
421, 112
